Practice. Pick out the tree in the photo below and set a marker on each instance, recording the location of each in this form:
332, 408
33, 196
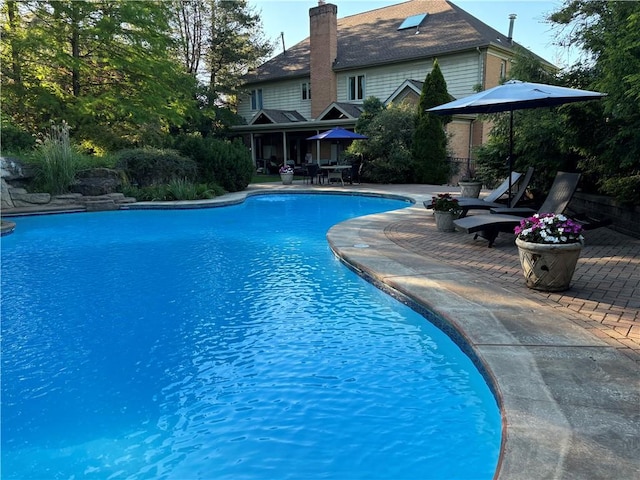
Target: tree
219, 41
608, 33
103, 66
429, 139
371, 107
387, 152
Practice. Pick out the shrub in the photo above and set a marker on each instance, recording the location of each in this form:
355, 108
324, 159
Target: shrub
387, 153
219, 161
56, 160
13, 138
148, 166
625, 190
182, 189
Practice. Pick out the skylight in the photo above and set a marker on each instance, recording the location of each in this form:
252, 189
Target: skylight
290, 116
412, 21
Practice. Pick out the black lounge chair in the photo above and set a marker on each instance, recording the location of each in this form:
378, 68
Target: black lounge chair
489, 226
490, 201
487, 203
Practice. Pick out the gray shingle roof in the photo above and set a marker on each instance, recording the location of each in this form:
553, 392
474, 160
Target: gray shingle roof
372, 38
277, 116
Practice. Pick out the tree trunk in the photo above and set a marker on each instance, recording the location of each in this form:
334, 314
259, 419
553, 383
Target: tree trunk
15, 51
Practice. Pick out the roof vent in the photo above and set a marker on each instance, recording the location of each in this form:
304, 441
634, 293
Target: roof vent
512, 19
413, 21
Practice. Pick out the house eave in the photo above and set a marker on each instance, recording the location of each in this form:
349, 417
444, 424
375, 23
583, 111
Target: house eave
310, 125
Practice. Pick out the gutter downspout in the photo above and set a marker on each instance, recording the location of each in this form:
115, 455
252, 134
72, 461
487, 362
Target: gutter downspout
480, 68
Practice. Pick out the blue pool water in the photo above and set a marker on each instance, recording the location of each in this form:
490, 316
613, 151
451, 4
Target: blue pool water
225, 343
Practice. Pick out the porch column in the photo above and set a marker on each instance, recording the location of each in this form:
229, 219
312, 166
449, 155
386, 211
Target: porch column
285, 153
253, 150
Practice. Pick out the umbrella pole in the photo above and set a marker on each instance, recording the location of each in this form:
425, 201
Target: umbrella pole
510, 152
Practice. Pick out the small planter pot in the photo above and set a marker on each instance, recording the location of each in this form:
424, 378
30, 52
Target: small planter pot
470, 189
548, 267
444, 221
287, 178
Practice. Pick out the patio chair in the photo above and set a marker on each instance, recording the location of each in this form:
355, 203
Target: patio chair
501, 219
490, 201
352, 176
311, 173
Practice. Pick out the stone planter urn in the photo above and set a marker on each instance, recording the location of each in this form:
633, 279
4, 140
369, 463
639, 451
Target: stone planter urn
287, 178
548, 267
444, 221
470, 189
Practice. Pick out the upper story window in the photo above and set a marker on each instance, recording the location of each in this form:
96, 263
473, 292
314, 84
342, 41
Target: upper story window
256, 99
306, 91
356, 87
503, 69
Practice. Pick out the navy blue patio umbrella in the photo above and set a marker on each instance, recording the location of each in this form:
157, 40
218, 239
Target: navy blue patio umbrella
515, 95
338, 133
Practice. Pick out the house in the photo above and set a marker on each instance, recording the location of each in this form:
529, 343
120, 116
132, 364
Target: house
322, 81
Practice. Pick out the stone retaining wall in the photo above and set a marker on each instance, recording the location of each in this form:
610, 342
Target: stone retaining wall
623, 219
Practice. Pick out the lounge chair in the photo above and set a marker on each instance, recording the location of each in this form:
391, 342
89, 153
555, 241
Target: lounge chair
488, 202
488, 226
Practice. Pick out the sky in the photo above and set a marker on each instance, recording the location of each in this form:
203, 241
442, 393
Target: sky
530, 29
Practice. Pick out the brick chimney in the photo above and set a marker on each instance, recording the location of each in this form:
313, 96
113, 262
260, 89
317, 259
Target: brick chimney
323, 37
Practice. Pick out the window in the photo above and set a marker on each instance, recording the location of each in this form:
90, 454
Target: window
256, 99
356, 87
413, 21
306, 91
503, 69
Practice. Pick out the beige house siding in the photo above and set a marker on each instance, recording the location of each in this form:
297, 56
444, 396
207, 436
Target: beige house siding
285, 95
461, 72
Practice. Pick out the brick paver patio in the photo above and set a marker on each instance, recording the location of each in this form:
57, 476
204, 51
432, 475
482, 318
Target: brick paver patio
605, 292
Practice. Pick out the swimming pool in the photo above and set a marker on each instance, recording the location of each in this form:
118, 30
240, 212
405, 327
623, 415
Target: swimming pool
225, 343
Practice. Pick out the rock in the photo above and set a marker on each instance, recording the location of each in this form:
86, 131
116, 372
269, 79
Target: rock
66, 199
13, 169
21, 198
97, 181
5, 196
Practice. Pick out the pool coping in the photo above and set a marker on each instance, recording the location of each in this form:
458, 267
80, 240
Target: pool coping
569, 401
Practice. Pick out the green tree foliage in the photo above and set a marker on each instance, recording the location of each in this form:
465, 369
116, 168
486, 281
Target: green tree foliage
387, 153
125, 73
429, 148
608, 32
104, 66
219, 41
371, 107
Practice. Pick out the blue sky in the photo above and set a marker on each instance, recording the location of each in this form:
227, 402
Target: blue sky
530, 30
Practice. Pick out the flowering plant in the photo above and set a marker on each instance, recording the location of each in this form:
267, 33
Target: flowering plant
286, 169
444, 202
549, 228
